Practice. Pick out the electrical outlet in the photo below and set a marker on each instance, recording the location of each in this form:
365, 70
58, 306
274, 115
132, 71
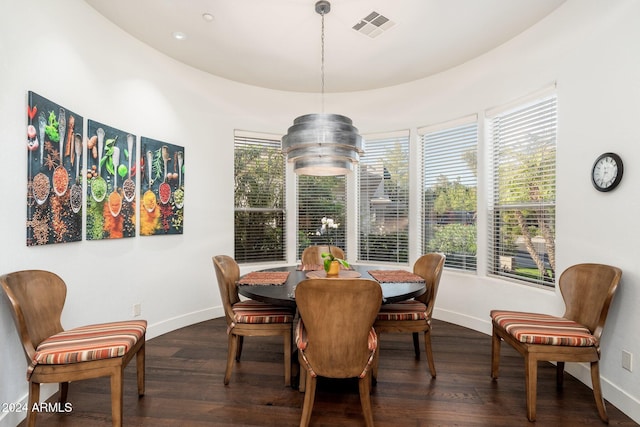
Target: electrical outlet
627, 360
137, 309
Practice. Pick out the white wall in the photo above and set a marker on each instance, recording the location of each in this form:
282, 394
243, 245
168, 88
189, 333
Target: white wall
588, 47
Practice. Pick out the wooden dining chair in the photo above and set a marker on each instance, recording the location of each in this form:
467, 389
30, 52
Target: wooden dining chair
414, 316
55, 355
249, 317
335, 336
587, 290
312, 255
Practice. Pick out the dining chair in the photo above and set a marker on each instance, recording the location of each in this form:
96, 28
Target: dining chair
587, 291
414, 316
249, 317
55, 355
312, 255
335, 336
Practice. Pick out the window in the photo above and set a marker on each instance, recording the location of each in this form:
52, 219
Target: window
523, 194
449, 191
321, 197
259, 194
383, 183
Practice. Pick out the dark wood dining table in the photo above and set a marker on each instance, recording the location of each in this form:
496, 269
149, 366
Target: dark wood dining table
285, 294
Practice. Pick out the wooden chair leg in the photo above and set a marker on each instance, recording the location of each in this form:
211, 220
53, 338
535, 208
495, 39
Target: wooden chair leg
287, 359
309, 397
116, 397
240, 339
597, 391
495, 354
374, 365
429, 350
365, 399
302, 382
416, 344
140, 369
559, 375
531, 384
231, 352
34, 397
63, 391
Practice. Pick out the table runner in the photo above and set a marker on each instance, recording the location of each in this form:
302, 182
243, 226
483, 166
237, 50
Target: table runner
395, 276
310, 267
317, 267
264, 278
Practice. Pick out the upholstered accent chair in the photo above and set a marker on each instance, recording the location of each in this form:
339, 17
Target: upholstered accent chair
587, 290
249, 317
55, 355
414, 316
335, 335
312, 255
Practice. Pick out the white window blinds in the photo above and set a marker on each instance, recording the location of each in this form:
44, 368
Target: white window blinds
523, 201
321, 197
259, 194
449, 192
383, 186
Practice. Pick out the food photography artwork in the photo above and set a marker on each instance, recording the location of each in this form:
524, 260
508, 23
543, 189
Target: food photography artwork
161, 188
111, 186
54, 180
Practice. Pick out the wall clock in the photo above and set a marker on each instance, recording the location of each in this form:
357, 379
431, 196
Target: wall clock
606, 173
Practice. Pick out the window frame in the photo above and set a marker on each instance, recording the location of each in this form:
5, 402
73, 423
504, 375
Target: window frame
389, 201
535, 116
326, 197
275, 218
455, 229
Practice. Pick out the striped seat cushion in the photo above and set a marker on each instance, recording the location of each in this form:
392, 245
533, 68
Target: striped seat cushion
404, 310
92, 342
251, 311
536, 328
302, 342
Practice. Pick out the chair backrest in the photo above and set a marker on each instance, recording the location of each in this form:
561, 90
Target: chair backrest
227, 273
312, 255
338, 315
429, 267
37, 298
587, 290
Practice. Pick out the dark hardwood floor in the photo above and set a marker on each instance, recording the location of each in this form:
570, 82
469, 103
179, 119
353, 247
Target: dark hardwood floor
184, 387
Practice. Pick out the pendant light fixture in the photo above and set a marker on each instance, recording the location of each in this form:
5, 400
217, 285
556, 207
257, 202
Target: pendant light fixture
323, 144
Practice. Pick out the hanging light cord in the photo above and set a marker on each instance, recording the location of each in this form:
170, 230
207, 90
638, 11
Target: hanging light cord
322, 61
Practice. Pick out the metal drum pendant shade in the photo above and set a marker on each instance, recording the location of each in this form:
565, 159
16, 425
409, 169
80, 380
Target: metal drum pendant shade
322, 145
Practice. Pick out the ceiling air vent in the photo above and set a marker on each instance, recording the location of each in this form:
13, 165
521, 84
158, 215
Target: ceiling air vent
373, 25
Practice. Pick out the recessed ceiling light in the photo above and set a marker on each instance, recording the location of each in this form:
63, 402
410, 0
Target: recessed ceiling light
207, 17
179, 35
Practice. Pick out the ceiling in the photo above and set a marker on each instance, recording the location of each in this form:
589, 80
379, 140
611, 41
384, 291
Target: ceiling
277, 43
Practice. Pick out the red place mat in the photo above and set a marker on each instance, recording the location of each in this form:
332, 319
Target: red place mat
264, 278
395, 276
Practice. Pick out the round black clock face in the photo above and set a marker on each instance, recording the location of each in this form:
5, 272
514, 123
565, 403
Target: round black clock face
606, 173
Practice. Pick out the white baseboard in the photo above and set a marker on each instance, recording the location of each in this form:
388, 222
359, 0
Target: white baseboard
168, 325
464, 320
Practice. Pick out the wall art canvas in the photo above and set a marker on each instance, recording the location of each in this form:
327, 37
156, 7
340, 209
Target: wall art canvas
161, 188
111, 187
54, 180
